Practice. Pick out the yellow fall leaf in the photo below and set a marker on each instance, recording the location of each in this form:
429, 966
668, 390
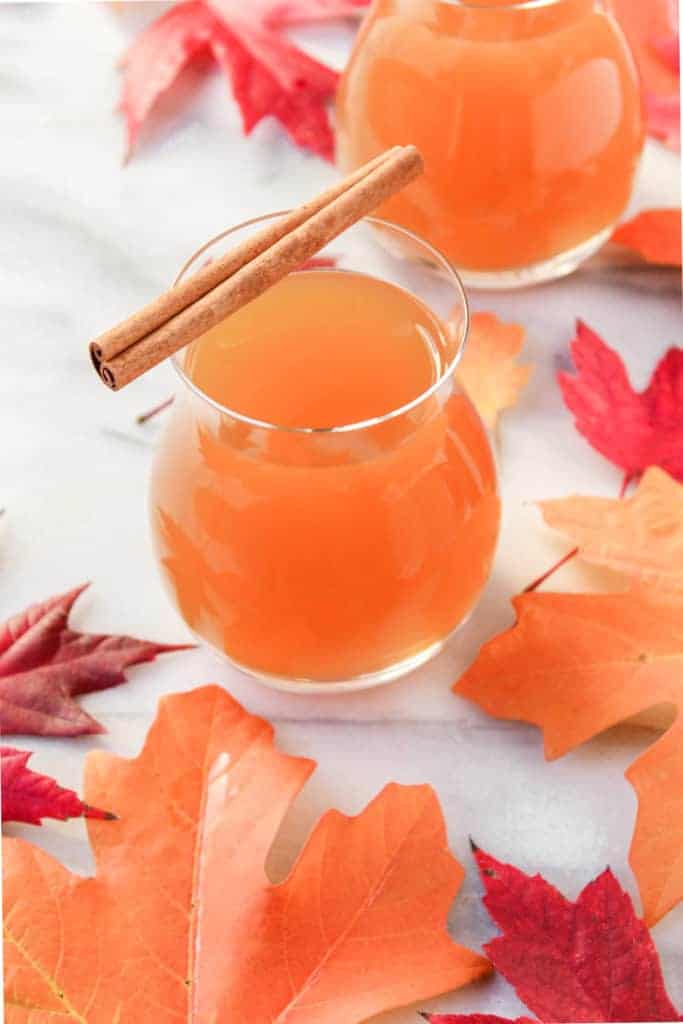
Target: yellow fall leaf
488, 370
641, 536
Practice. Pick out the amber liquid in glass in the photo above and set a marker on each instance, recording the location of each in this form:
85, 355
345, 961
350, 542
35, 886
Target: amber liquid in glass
329, 554
529, 121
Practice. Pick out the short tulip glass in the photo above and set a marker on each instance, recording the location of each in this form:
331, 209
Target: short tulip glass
527, 113
324, 501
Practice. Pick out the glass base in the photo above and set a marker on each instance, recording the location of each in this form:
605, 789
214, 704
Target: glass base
536, 273
363, 682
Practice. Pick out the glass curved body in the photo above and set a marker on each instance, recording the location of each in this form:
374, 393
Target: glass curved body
315, 557
528, 116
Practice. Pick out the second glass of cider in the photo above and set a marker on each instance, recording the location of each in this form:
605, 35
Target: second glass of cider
527, 113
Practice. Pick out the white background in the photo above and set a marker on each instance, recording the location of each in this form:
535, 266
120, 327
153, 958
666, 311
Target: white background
84, 241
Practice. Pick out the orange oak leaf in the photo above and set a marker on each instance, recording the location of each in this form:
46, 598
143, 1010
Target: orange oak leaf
641, 536
653, 234
577, 664
488, 369
28, 796
181, 921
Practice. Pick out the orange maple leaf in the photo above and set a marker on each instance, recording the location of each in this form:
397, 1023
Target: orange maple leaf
577, 664
641, 536
488, 369
653, 234
181, 921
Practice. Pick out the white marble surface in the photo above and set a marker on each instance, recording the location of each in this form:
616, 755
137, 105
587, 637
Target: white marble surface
82, 242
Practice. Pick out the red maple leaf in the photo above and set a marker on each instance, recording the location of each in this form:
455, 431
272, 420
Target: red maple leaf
666, 42
591, 960
668, 49
44, 665
268, 74
664, 118
294, 12
28, 796
633, 430
474, 1018
663, 110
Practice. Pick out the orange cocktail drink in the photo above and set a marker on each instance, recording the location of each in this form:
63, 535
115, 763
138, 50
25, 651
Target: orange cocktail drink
324, 502
528, 115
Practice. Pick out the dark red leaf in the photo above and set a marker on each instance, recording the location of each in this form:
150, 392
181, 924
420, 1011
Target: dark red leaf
28, 796
44, 665
474, 1018
633, 430
664, 118
664, 39
269, 75
592, 960
668, 49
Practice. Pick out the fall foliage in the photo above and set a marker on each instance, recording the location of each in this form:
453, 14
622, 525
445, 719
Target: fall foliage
653, 234
268, 75
577, 664
651, 29
590, 960
181, 920
641, 536
28, 796
44, 665
488, 370
633, 430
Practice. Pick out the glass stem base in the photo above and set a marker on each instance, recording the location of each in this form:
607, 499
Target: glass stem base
361, 682
536, 273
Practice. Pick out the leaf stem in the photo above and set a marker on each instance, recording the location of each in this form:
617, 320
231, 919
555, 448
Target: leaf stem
628, 477
144, 416
551, 571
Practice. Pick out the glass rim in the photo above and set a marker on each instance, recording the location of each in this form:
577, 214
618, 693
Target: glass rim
343, 428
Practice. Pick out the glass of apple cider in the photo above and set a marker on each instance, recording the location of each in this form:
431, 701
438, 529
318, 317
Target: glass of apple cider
324, 501
528, 116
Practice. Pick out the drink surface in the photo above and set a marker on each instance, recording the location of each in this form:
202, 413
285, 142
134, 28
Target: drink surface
321, 349
528, 117
324, 556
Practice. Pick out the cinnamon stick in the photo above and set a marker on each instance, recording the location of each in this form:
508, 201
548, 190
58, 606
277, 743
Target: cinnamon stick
198, 303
